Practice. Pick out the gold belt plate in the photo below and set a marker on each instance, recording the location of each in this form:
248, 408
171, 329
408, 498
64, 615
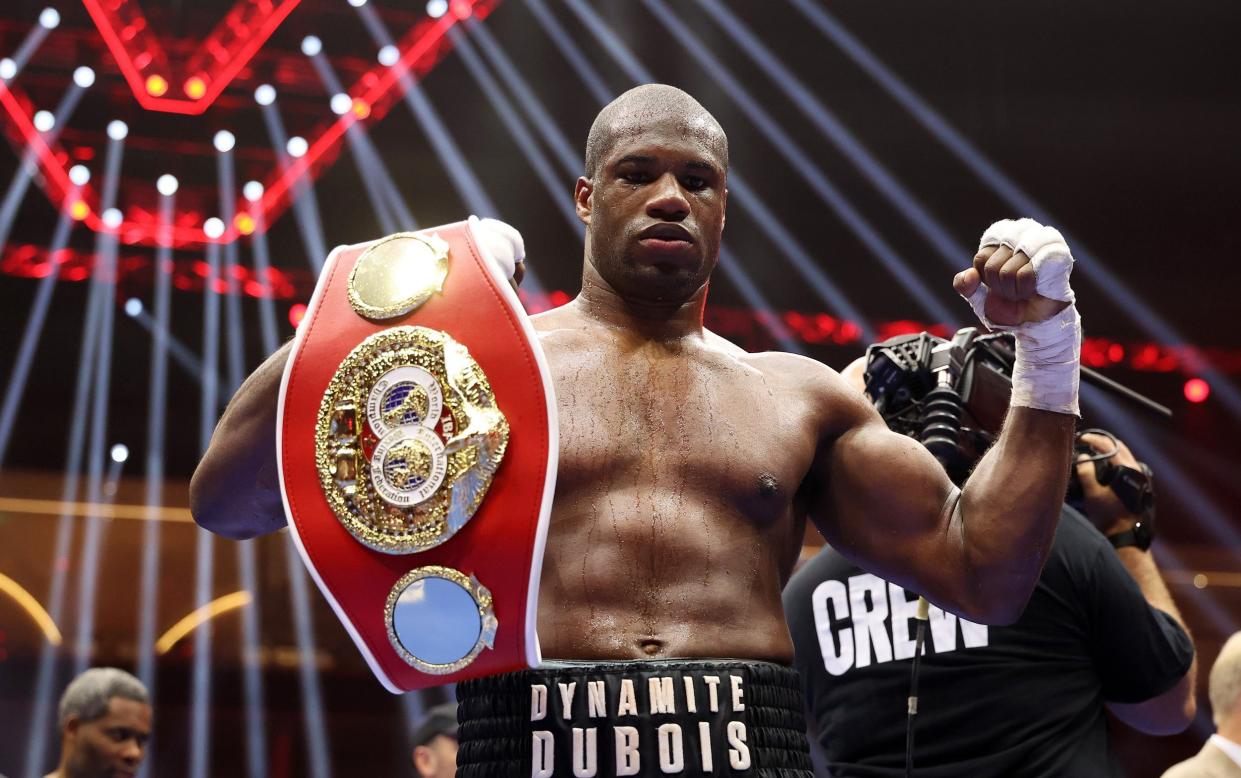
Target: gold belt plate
408, 439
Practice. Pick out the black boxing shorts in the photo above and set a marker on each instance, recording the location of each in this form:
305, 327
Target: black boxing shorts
719, 717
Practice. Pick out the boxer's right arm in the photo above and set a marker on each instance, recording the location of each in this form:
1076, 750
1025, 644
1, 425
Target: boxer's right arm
235, 490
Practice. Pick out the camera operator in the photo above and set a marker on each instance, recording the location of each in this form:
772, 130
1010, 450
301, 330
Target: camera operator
1028, 699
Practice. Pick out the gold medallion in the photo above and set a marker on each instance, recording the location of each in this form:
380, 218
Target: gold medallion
398, 274
439, 619
408, 439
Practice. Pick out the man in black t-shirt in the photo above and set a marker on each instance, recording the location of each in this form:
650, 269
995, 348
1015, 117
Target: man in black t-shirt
1017, 701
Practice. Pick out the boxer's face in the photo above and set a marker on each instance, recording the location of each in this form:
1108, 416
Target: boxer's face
111, 746
655, 209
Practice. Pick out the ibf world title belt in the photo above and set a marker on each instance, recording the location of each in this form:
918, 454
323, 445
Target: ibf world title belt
417, 449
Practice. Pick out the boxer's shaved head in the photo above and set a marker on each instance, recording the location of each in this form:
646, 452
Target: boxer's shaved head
642, 107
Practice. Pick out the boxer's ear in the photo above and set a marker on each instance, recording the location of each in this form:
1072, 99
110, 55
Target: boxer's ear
582, 192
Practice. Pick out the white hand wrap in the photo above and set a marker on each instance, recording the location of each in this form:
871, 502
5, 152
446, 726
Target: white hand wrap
501, 243
1047, 371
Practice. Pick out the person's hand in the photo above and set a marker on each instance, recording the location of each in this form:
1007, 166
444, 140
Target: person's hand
1011, 280
1100, 503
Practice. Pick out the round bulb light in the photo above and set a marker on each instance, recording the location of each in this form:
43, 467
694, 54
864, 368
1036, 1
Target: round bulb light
167, 185
44, 121
252, 191
341, 103
112, 218
224, 141
49, 18
117, 129
84, 77
437, 8
389, 55
311, 45
296, 146
120, 453
79, 175
213, 228
265, 94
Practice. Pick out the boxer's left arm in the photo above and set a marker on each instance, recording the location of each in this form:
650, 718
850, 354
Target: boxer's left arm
886, 502
888, 505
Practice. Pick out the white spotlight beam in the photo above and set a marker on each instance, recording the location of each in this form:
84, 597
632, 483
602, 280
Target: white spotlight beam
15, 388
581, 64
553, 137
459, 171
157, 392
517, 130
898, 267
29, 165
105, 278
1017, 199
40, 723
252, 681
27, 48
952, 251
301, 192
200, 674
357, 136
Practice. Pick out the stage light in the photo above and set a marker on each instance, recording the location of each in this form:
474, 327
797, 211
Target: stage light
361, 109
120, 453
296, 313
341, 103
437, 8
265, 94
133, 307
79, 175
8, 68
1197, 390
296, 146
112, 218
195, 87
357, 3
311, 46
117, 129
224, 141
252, 191
213, 227
245, 223
79, 210
166, 184
44, 121
49, 18
389, 55
84, 77
156, 85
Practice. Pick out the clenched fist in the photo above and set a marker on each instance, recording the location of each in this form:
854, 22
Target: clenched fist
1020, 274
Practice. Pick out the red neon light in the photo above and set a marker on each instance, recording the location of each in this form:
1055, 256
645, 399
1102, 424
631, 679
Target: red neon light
143, 59
374, 93
1197, 390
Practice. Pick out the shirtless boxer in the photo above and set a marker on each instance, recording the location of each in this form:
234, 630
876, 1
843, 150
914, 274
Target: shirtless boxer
688, 467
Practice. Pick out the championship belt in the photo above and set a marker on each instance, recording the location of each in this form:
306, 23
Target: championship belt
417, 444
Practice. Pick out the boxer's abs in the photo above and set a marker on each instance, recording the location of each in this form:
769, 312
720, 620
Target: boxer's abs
623, 581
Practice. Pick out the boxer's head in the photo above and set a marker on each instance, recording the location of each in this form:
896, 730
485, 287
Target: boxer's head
653, 194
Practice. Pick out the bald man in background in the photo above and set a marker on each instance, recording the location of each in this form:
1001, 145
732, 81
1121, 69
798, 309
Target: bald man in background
1220, 757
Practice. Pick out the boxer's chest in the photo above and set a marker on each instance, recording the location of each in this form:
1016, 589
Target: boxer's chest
693, 419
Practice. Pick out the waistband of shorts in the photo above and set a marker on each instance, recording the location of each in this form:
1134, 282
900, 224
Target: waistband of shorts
759, 703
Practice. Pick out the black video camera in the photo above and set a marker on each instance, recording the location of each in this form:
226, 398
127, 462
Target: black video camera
952, 396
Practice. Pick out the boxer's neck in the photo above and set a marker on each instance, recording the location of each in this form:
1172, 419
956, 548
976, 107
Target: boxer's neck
650, 319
